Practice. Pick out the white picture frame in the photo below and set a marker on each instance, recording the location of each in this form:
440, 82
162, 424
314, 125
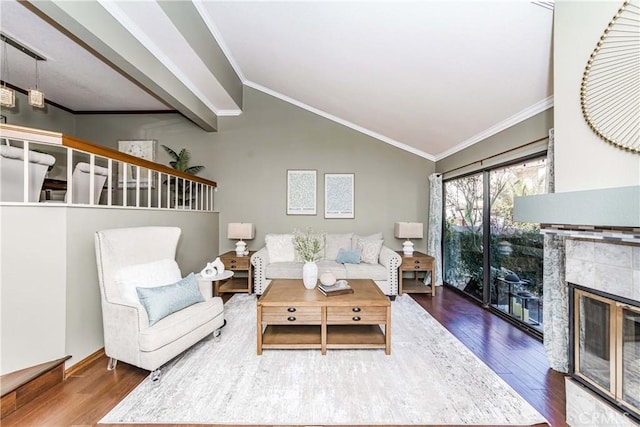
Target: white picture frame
143, 148
301, 192
339, 195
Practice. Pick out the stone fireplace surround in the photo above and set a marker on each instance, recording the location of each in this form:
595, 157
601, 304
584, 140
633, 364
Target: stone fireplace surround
605, 259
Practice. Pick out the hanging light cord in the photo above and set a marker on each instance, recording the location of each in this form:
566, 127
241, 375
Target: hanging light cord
37, 76
5, 65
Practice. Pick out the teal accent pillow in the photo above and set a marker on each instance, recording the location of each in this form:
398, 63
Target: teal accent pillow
161, 301
348, 256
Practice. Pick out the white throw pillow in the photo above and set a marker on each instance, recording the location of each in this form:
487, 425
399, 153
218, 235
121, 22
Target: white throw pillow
370, 250
148, 275
280, 247
333, 243
356, 238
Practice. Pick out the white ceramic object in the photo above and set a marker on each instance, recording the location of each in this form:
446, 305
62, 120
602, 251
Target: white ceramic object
310, 275
328, 278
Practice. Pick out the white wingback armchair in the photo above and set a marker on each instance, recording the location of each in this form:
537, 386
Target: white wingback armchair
143, 256
82, 182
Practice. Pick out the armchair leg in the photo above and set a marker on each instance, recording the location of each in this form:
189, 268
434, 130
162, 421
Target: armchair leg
218, 331
155, 376
111, 364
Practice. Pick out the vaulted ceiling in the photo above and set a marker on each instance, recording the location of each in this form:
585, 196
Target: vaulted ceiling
430, 77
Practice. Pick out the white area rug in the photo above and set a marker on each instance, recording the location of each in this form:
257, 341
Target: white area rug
429, 378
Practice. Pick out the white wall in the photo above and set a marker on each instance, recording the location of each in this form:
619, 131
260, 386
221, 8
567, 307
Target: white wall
583, 161
33, 277
50, 304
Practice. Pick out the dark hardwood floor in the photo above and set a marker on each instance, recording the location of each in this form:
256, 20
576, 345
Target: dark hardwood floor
85, 397
518, 358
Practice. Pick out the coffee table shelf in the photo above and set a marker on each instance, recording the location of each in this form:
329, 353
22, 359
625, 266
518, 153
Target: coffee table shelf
361, 336
292, 337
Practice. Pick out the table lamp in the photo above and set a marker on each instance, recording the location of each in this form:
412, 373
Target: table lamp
408, 230
241, 230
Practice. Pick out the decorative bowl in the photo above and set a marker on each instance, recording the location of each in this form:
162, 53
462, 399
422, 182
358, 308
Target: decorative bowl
328, 278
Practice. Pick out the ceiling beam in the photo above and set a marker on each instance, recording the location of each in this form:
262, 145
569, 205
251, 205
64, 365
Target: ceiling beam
186, 18
94, 26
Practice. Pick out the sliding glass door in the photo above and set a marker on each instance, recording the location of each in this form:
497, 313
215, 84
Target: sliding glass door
463, 234
482, 243
516, 248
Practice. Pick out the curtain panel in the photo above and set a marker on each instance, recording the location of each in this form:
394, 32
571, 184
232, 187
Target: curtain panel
434, 240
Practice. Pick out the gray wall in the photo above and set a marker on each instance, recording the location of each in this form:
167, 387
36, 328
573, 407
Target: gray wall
524, 132
250, 155
48, 118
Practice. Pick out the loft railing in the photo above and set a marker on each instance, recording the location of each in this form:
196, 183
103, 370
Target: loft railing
60, 169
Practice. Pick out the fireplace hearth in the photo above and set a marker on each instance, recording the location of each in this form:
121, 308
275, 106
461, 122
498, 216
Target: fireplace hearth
605, 346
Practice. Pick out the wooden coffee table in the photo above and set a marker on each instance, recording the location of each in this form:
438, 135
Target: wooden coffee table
292, 317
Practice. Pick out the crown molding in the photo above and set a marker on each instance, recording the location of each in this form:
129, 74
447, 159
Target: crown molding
343, 122
523, 115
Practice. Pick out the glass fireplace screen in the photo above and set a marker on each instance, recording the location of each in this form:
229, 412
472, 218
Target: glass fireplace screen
607, 347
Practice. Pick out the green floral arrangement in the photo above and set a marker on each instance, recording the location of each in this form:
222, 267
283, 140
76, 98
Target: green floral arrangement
308, 245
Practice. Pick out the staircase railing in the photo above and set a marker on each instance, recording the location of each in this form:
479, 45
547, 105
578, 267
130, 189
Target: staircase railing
104, 177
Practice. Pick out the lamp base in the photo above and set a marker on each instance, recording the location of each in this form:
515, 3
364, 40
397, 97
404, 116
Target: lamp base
407, 248
241, 248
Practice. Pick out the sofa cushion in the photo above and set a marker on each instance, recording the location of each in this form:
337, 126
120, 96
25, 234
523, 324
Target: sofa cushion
283, 270
338, 270
374, 236
366, 271
293, 270
178, 324
333, 243
148, 275
370, 250
161, 301
280, 247
351, 256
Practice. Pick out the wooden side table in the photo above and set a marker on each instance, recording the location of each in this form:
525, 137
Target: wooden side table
236, 263
417, 262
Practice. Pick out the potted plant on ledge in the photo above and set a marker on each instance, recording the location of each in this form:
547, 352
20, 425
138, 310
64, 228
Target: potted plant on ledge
308, 246
181, 163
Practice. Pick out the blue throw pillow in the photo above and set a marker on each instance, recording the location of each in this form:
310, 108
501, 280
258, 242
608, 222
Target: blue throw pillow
161, 301
346, 256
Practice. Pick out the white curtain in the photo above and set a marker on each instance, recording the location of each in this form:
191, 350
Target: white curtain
434, 239
556, 297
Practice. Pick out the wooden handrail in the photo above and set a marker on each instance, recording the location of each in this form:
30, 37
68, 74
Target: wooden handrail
38, 135
79, 144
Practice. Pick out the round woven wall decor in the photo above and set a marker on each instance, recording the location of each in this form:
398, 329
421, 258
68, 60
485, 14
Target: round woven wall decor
610, 89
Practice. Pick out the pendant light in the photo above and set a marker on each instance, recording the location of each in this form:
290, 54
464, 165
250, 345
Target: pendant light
36, 96
7, 95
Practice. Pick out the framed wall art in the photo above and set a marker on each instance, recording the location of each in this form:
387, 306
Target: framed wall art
339, 195
301, 192
145, 149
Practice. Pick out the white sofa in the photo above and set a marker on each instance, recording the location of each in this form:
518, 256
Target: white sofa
278, 260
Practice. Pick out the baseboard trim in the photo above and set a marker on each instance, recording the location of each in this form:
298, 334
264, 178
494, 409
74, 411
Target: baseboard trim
73, 370
20, 387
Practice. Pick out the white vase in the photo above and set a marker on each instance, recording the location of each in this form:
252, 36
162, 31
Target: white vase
310, 274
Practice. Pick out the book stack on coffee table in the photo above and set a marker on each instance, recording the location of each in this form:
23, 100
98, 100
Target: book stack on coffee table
341, 287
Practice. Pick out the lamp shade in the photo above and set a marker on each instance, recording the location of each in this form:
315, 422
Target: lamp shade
241, 230
408, 230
